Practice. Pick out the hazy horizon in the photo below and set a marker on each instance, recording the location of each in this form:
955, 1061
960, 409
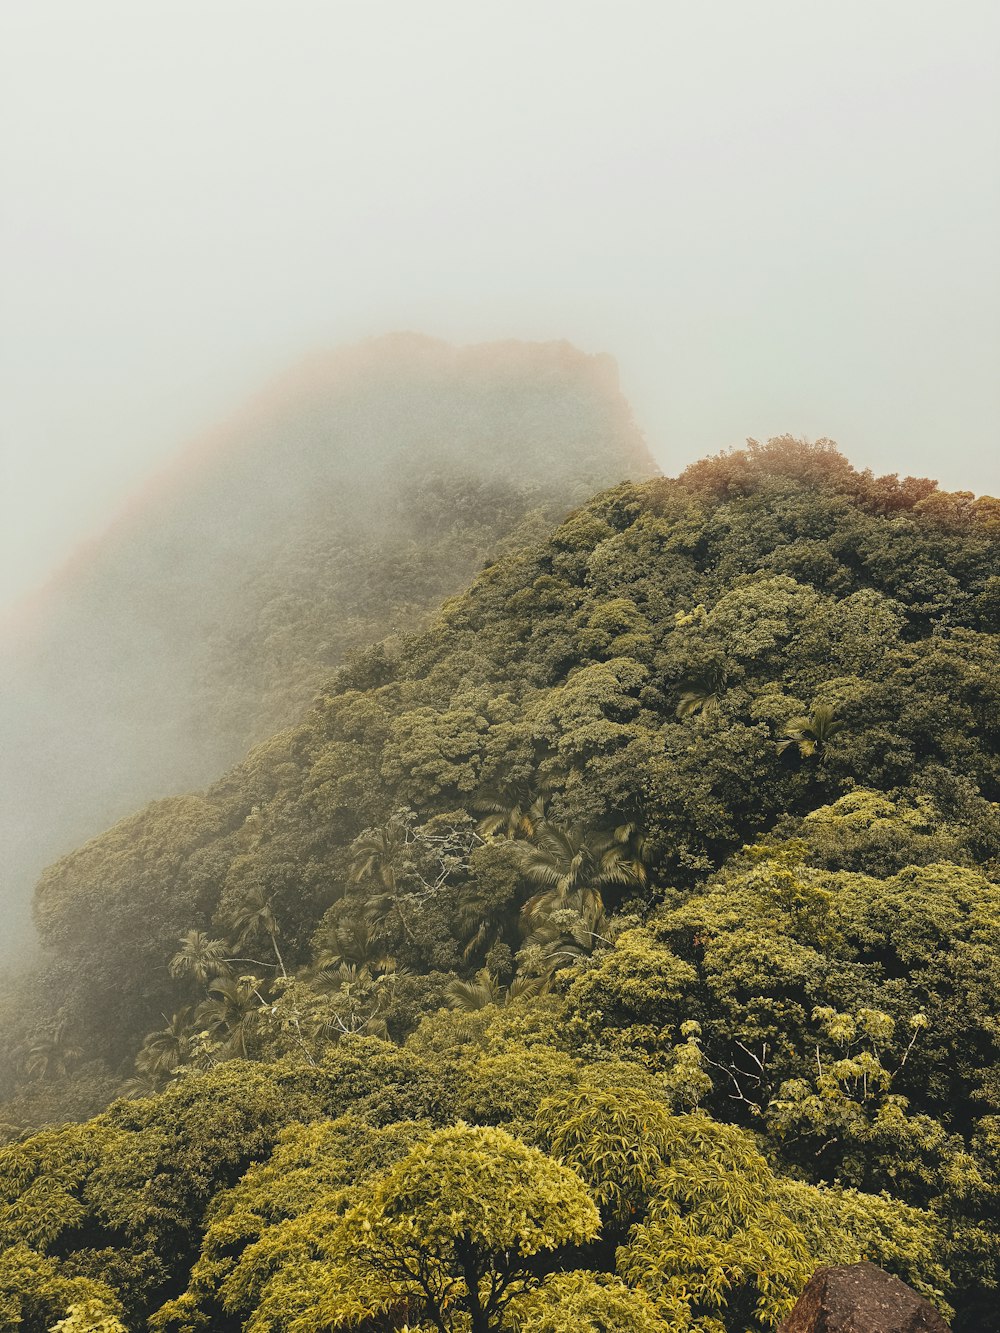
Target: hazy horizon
775, 218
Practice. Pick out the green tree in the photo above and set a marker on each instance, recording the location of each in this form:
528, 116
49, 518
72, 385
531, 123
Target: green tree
450, 1236
582, 1302
52, 1053
161, 1054
253, 920
571, 866
200, 957
485, 990
35, 1291
811, 733
513, 811
231, 1014
89, 1316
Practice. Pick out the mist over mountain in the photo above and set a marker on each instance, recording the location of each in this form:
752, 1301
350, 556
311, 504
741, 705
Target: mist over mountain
625, 940
354, 495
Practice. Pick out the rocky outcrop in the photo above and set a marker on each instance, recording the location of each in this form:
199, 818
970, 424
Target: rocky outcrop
861, 1298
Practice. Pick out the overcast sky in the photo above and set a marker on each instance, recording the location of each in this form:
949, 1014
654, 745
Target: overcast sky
778, 216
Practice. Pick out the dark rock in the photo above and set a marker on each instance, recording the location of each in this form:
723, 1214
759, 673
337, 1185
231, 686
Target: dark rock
861, 1298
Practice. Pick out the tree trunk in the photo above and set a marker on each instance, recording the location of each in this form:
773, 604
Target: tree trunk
478, 1320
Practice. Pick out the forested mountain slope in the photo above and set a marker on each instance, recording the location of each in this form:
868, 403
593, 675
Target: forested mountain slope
606, 954
340, 507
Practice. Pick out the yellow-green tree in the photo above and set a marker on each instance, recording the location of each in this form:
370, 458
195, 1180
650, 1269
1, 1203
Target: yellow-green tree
448, 1238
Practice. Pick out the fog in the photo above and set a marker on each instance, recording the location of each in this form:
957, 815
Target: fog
340, 508
777, 217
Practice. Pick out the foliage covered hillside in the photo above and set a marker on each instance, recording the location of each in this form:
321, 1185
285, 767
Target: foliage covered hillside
343, 506
605, 956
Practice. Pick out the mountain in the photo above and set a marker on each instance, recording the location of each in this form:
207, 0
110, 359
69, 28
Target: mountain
339, 507
609, 951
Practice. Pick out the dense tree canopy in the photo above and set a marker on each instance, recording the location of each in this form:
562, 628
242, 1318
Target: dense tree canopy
618, 949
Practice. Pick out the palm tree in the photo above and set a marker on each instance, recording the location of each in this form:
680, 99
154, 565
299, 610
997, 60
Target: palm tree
377, 859
361, 998
811, 733
702, 693
253, 920
470, 996
163, 1051
572, 860
52, 1055
231, 1014
562, 935
376, 855
140, 1085
354, 942
480, 932
200, 957
161, 1054
513, 811
479, 923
